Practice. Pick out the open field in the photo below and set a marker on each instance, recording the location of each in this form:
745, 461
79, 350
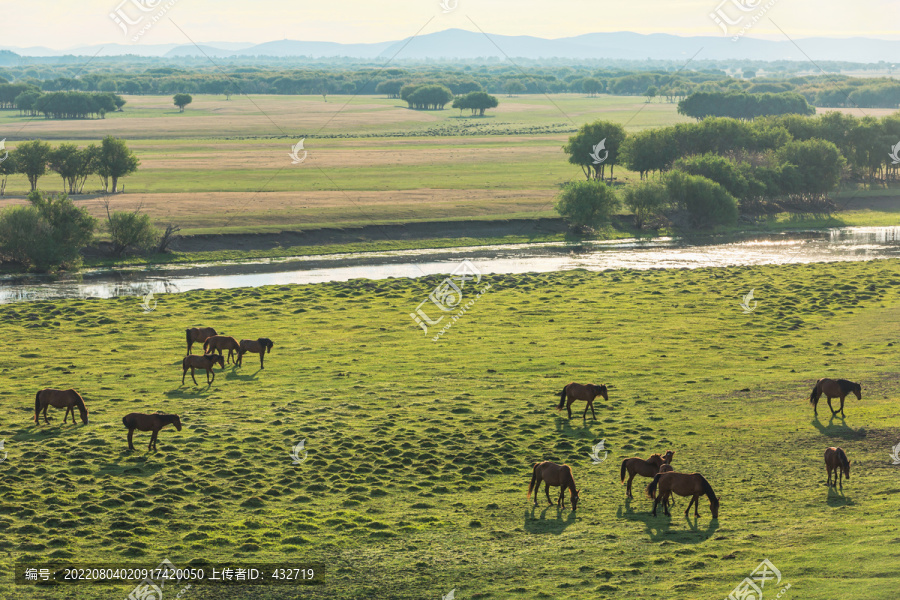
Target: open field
420, 451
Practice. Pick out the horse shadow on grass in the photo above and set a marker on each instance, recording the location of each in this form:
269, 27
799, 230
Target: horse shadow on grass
566, 428
234, 373
659, 528
542, 525
835, 498
840, 430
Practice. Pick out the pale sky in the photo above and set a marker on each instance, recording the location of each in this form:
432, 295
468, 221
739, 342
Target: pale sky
66, 24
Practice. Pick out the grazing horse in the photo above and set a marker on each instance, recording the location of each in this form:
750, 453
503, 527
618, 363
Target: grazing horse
196, 361
220, 343
833, 388
68, 399
198, 334
555, 475
683, 484
836, 460
261, 346
644, 468
576, 391
153, 423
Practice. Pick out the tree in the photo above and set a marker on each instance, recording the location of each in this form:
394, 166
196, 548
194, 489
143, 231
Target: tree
182, 100
596, 145
65, 159
390, 88
31, 159
587, 203
651, 93
514, 87
646, 200
116, 160
716, 168
819, 165
429, 97
7, 168
705, 202
476, 102
591, 86
130, 230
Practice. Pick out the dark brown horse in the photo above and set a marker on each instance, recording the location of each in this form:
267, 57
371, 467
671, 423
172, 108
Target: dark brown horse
557, 476
644, 468
68, 399
220, 343
834, 388
197, 361
836, 460
154, 423
261, 346
198, 334
683, 484
576, 391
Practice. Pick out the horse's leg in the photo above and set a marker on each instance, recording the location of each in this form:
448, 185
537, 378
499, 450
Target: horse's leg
130, 436
828, 469
842, 408
561, 501
829, 405
569, 405
66, 415
46, 418
630, 478
152, 443
537, 488
183, 373
593, 414
208, 382
655, 502
192, 375
547, 491
261, 355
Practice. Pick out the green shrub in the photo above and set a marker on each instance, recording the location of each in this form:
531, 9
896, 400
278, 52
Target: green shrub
646, 200
587, 203
706, 202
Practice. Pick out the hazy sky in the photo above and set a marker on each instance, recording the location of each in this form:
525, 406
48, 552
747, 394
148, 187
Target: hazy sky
67, 24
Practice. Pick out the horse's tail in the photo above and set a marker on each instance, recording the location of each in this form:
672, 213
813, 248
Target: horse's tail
562, 398
707, 489
125, 420
533, 479
187, 335
651, 489
814, 396
622, 470
206, 346
37, 405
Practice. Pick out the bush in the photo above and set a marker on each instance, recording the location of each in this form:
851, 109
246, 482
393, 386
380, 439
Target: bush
706, 202
587, 203
131, 230
646, 200
47, 235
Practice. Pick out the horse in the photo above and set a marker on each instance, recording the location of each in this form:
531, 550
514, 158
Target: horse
683, 484
261, 346
833, 388
666, 468
197, 361
68, 399
576, 391
198, 334
220, 343
555, 475
836, 460
153, 423
644, 468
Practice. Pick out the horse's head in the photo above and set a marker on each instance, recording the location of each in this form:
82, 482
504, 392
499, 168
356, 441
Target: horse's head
857, 389
665, 468
575, 500
84, 414
218, 360
668, 456
714, 507
603, 392
656, 459
176, 422
266, 343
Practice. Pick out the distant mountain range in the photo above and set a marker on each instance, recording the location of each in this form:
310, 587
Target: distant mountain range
461, 44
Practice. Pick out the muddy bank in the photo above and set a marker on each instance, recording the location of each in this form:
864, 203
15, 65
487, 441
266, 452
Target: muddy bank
369, 233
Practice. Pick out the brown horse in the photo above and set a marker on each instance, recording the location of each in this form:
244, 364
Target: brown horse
197, 361
68, 399
833, 388
220, 343
198, 334
644, 468
153, 423
576, 391
683, 484
836, 460
555, 475
261, 346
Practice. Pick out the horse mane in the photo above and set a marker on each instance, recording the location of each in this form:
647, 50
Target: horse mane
847, 385
708, 489
845, 463
165, 418
79, 401
265, 343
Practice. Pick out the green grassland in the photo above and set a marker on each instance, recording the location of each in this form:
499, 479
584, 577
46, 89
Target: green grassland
420, 452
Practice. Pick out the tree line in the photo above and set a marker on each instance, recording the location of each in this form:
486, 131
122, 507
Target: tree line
743, 105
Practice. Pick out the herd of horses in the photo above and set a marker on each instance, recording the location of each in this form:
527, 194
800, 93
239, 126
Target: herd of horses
212, 343
666, 481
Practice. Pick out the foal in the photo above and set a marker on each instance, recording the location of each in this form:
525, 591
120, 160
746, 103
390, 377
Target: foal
836, 460
261, 346
196, 361
153, 423
220, 343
